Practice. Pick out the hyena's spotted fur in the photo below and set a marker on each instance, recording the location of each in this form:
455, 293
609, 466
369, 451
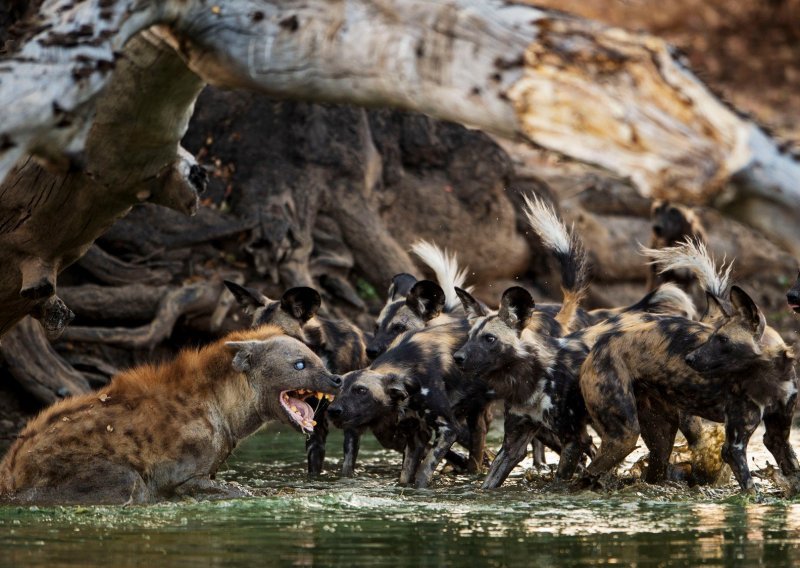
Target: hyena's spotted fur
161, 431
340, 345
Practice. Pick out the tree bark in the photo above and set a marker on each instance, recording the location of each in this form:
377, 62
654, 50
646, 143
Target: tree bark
131, 154
592, 93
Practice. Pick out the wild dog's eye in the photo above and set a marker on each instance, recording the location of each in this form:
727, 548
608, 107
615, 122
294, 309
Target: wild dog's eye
300, 365
489, 338
722, 339
361, 389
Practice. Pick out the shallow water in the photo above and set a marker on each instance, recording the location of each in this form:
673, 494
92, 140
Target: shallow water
369, 520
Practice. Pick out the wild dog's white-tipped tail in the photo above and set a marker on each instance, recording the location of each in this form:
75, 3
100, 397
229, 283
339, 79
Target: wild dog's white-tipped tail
692, 254
568, 249
445, 267
545, 222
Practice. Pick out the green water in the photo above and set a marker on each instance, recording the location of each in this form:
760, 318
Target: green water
369, 520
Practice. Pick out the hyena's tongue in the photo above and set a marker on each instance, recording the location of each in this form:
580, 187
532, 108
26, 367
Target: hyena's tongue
298, 410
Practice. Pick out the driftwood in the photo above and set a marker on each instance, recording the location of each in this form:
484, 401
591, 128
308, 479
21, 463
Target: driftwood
36, 366
589, 92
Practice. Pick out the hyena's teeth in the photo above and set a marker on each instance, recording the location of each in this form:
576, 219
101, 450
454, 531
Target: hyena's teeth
313, 422
319, 395
293, 409
329, 397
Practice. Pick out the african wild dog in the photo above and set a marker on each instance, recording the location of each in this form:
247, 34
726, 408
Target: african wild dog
726, 368
339, 344
518, 356
793, 296
672, 223
411, 305
412, 394
161, 431
534, 370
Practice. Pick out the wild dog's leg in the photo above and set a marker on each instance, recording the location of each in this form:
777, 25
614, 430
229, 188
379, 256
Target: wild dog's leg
538, 453
612, 405
315, 443
658, 426
210, 489
741, 419
691, 427
519, 432
412, 455
776, 439
352, 441
574, 448
445, 435
478, 424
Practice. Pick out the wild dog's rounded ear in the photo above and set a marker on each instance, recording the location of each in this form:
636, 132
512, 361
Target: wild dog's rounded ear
396, 389
242, 361
248, 298
302, 303
401, 285
516, 307
426, 299
715, 310
472, 307
748, 311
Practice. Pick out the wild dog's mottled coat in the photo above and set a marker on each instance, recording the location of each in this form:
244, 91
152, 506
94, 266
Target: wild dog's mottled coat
159, 431
644, 369
417, 382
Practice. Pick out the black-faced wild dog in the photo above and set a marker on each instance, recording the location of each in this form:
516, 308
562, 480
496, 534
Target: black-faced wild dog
157, 432
726, 368
339, 344
516, 352
417, 398
672, 223
413, 305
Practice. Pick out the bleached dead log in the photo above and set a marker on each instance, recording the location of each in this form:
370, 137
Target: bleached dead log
50, 217
592, 93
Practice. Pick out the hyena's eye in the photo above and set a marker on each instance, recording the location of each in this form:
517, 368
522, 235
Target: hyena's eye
300, 365
489, 338
399, 328
360, 389
722, 339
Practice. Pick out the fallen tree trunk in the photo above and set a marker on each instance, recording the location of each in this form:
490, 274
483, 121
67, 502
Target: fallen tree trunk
37, 367
593, 93
49, 218
589, 92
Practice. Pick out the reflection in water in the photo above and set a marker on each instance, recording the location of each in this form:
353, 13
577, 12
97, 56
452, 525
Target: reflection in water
371, 520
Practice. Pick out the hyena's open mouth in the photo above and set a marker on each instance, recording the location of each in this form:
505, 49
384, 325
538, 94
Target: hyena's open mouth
299, 411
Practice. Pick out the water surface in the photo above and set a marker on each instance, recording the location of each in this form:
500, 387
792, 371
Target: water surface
369, 520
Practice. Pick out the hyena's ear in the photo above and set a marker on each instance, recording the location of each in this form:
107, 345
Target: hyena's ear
748, 311
302, 303
516, 307
248, 298
242, 360
426, 299
715, 311
472, 307
401, 285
